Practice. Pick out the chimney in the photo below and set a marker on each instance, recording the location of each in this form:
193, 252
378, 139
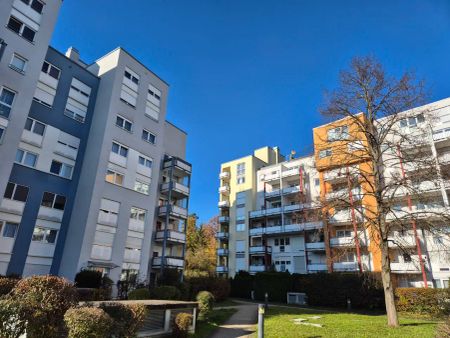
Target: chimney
73, 54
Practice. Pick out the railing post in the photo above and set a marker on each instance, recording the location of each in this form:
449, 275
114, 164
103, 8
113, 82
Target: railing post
261, 310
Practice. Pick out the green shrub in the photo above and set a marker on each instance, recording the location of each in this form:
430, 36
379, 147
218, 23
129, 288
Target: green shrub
205, 301
422, 300
7, 284
88, 279
165, 292
90, 295
136, 294
87, 322
127, 319
219, 287
181, 325
43, 300
11, 325
242, 285
276, 284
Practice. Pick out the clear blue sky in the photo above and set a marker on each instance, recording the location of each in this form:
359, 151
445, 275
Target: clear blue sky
245, 74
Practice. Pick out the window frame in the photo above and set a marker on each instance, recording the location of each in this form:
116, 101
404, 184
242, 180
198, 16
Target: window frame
55, 196
4, 104
63, 165
125, 120
146, 159
17, 69
24, 157
45, 235
14, 190
33, 125
119, 149
3, 224
141, 184
48, 71
21, 29
148, 134
115, 177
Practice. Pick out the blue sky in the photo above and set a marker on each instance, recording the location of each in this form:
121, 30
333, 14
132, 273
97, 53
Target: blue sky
245, 74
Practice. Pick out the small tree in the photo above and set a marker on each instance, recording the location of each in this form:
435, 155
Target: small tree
87, 322
205, 301
383, 165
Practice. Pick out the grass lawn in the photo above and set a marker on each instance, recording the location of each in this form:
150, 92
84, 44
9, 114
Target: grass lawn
217, 317
279, 324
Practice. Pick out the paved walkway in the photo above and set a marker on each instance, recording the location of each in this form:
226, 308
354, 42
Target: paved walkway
240, 324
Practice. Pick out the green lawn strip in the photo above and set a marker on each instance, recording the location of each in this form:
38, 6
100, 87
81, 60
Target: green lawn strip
279, 324
217, 317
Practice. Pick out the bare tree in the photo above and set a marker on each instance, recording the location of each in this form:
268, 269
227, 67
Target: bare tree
378, 156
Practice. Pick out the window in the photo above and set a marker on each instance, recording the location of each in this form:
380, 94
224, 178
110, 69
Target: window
137, 214
34, 4
148, 136
61, 169
35, 126
78, 100
343, 233
20, 28
119, 149
240, 198
18, 63
123, 123
356, 145
16, 192
240, 180
407, 258
51, 70
9, 229
44, 235
240, 227
240, 169
141, 187
6, 101
324, 153
145, 161
339, 133
240, 246
154, 92
412, 121
51, 200
317, 182
2, 132
113, 177
131, 77
26, 158
240, 214
153, 103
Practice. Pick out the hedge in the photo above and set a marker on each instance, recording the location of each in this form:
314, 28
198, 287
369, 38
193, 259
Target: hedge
165, 292
127, 319
7, 284
87, 322
423, 300
219, 287
137, 294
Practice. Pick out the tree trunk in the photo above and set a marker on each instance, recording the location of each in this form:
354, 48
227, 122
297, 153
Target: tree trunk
388, 287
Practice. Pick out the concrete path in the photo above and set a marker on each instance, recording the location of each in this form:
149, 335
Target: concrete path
240, 324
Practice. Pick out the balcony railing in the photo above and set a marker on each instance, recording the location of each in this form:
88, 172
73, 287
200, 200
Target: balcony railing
224, 175
343, 194
398, 241
175, 186
222, 269
410, 267
224, 204
173, 210
260, 249
442, 134
222, 235
339, 174
344, 217
257, 268
175, 262
287, 228
171, 236
317, 267
224, 219
222, 252
178, 163
346, 266
348, 241
225, 189
279, 210
317, 246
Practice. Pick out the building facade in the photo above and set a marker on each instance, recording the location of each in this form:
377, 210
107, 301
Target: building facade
297, 224
94, 175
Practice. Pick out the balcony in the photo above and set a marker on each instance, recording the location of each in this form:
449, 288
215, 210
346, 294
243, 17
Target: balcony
257, 268
290, 172
287, 228
222, 252
222, 269
265, 212
225, 190
172, 210
291, 190
410, 267
172, 236
344, 217
224, 175
260, 249
273, 193
222, 235
339, 174
442, 136
398, 241
169, 262
177, 189
317, 267
346, 266
424, 212
224, 219
347, 241
178, 164
292, 208
343, 194
316, 246
224, 204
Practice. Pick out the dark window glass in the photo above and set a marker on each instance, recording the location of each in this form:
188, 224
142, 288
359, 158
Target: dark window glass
60, 202
47, 199
28, 124
127, 75
128, 125
28, 33
10, 230
1, 133
55, 168
21, 193
39, 128
27, 2
45, 67
123, 151
119, 121
14, 24
54, 72
9, 190
51, 236
115, 148
37, 6
406, 257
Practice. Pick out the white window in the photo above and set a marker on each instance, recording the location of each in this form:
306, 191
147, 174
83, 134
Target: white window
324, 153
154, 92
55, 201
16, 192
114, 177
412, 121
6, 101
132, 77
339, 133
129, 90
61, 169
141, 187
18, 63
347, 257
119, 149
343, 233
145, 161
152, 109
138, 214
109, 211
240, 169
22, 29
49, 69
148, 136
8, 229
34, 126
240, 227
123, 123
47, 84
44, 235
240, 246
36, 5
240, 180
240, 198
26, 158
78, 100
2, 132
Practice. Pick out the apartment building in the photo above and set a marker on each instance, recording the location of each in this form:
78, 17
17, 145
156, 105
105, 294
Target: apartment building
237, 198
298, 224
93, 139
